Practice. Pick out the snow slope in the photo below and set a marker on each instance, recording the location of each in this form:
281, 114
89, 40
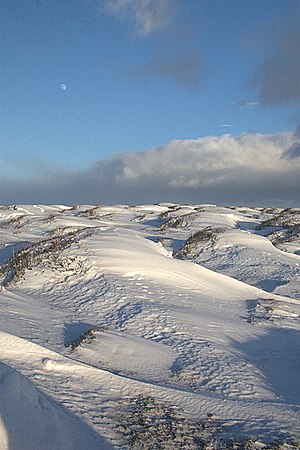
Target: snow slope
30, 420
104, 305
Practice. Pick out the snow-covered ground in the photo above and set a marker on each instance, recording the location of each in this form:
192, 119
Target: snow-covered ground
153, 326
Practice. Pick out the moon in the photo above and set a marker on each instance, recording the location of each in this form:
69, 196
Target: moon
63, 86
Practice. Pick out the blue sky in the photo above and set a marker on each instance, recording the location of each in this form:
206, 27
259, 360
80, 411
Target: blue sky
138, 73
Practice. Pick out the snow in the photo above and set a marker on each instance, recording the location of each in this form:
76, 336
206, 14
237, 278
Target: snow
39, 422
121, 352
111, 313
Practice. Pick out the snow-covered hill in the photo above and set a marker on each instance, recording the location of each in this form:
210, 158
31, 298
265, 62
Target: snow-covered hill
154, 326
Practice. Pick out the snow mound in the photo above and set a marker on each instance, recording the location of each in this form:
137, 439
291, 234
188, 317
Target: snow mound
128, 354
29, 420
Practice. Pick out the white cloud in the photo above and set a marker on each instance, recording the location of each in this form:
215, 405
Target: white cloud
205, 159
226, 125
146, 16
245, 104
247, 169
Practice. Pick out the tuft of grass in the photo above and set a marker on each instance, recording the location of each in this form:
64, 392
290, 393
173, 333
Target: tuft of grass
260, 311
90, 212
282, 227
176, 222
49, 219
284, 219
87, 337
204, 235
16, 222
289, 234
25, 259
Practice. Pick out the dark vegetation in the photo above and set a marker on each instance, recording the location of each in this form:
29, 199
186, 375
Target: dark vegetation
202, 236
28, 258
176, 222
16, 222
148, 424
283, 226
87, 337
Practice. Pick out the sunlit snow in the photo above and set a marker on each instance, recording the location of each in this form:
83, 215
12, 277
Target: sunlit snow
134, 327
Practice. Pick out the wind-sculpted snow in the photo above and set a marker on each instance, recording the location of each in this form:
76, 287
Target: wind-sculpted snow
31, 421
147, 325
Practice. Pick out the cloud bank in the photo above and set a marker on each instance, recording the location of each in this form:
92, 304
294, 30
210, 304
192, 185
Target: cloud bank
277, 78
251, 169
